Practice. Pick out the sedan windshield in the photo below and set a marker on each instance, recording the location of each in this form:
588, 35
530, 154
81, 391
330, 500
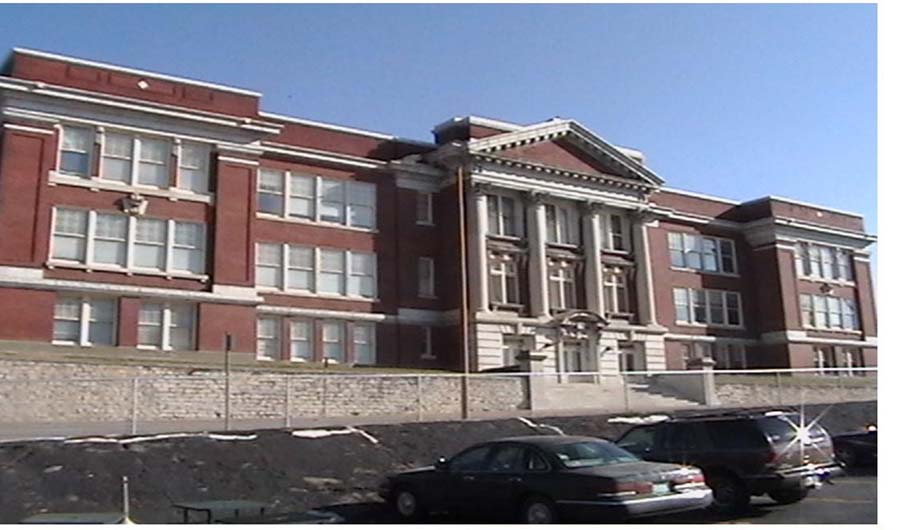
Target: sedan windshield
589, 454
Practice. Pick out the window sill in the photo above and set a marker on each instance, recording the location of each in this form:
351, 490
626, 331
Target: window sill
128, 272
857, 332
511, 239
97, 184
309, 294
829, 281
709, 273
429, 224
295, 220
709, 326
565, 246
615, 252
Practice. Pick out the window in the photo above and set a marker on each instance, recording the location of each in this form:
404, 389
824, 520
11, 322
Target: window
706, 306
302, 202
426, 277
333, 341
504, 280
270, 192
188, 252
562, 284
729, 356
502, 216
301, 340
822, 262
317, 199
301, 268
512, 346
615, 233
615, 291
268, 265
826, 358
84, 321
70, 234
331, 271
268, 338
424, 208
75, 153
150, 244
701, 253
471, 460
153, 164
364, 343
166, 326
316, 270
129, 243
193, 167
561, 227
425, 345
118, 158
507, 459
110, 239
826, 312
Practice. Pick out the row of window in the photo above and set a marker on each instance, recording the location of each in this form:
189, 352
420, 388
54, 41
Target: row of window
86, 321
317, 199
828, 312
127, 242
707, 306
829, 357
728, 355
316, 270
505, 219
823, 262
336, 336
702, 253
136, 160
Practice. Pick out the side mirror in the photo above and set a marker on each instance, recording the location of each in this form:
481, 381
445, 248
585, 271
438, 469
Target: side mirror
442, 464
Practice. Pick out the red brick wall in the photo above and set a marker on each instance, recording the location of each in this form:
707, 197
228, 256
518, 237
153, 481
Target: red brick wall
128, 321
116, 83
232, 234
217, 320
26, 314
25, 159
865, 298
817, 216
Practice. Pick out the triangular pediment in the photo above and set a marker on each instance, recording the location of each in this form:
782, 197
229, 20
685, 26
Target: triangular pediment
565, 145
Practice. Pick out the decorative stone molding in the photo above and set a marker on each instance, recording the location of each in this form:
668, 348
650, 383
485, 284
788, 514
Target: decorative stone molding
134, 204
592, 207
534, 197
482, 188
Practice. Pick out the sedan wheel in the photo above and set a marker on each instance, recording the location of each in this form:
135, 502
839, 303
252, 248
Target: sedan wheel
538, 510
407, 504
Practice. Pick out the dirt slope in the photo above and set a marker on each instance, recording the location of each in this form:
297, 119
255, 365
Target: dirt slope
288, 472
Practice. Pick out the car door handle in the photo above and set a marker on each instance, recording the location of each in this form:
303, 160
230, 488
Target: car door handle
514, 479
468, 478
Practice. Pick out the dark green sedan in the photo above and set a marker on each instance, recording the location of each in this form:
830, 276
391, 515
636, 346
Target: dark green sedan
546, 479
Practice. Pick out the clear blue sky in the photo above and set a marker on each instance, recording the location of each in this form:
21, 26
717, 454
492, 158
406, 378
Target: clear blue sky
730, 100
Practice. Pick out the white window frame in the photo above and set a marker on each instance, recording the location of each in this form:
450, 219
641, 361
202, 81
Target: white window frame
817, 313
310, 339
181, 164
346, 204
341, 326
614, 279
277, 338
809, 256
166, 331
504, 267
609, 236
371, 341
88, 262
426, 198
563, 216
678, 243
556, 273
347, 272
700, 299
516, 224
426, 277
84, 320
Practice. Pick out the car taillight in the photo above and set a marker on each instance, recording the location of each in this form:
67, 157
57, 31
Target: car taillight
624, 489
771, 456
693, 480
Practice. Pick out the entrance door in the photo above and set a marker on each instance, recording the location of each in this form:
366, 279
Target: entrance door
572, 358
632, 359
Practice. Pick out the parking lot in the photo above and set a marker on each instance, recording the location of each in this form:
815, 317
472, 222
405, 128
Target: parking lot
851, 499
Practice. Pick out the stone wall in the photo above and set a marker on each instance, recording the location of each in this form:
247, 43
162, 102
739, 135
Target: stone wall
49, 392
747, 394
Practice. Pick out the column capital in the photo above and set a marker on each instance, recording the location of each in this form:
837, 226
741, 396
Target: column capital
644, 215
535, 198
592, 207
481, 188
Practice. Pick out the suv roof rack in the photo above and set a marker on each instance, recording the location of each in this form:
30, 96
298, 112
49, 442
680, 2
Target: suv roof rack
741, 413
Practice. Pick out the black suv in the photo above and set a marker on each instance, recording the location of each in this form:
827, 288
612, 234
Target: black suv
741, 454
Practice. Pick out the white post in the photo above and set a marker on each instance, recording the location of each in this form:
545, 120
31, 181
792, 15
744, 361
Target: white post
477, 229
646, 303
537, 254
593, 271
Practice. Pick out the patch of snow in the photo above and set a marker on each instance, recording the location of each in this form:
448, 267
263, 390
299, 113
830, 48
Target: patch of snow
139, 439
538, 426
322, 433
639, 420
232, 437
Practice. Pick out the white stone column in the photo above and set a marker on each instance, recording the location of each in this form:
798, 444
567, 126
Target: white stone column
641, 244
536, 221
593, 270
477, 230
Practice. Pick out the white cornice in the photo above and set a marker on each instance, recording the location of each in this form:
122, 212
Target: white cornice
610, 180
322, 156
477, 120
134, 71
572, 190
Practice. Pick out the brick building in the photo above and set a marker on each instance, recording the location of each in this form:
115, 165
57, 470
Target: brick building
141, 211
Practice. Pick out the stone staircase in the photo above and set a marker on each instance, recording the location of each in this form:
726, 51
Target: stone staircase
609, 395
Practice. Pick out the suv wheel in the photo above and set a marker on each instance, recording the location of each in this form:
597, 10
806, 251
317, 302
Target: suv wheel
538, 510
729, 494
788, 496
407, 504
